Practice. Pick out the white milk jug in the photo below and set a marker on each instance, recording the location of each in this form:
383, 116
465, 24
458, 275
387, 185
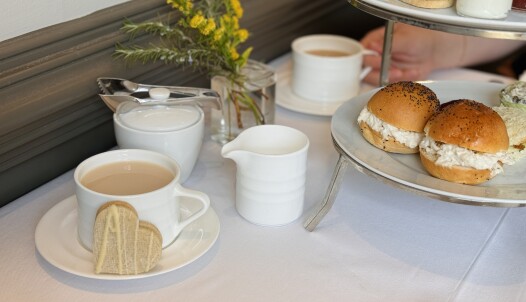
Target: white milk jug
271, 172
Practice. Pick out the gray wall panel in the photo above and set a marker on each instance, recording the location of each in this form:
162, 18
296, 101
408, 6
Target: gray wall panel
51, 117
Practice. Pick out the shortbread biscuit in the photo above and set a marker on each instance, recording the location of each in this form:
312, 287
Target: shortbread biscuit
122, 244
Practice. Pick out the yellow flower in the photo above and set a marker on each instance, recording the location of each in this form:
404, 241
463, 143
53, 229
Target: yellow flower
235, 22
230, 21
189, 6
236, 7
172, 3
197, 20
218, 34
225, 20
209, 27
184, 6
242, 35
233, 53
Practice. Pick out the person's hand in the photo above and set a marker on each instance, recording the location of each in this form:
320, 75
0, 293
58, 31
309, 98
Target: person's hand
415, 53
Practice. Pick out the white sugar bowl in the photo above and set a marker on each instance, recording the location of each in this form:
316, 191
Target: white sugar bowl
174, 130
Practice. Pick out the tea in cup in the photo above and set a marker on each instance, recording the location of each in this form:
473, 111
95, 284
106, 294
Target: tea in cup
174, 130
327, 68
271, 172
147, 180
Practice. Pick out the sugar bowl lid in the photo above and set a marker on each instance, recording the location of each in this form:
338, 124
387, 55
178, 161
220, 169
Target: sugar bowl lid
157, 117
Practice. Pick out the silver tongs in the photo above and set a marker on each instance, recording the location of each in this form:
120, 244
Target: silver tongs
116, 91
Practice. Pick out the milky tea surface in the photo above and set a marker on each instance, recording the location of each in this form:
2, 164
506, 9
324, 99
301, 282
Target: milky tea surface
127, 178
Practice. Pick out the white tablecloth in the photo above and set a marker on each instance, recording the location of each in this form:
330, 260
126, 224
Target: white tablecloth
378, 243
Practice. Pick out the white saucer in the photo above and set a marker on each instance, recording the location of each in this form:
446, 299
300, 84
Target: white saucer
56, 240
289, 100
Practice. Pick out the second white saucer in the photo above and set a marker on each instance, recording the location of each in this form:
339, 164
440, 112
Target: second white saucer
286, 98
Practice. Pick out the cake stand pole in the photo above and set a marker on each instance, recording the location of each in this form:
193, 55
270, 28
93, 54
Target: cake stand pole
324, 207
386, 53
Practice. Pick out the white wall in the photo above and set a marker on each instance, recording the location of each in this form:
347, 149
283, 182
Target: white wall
23, 16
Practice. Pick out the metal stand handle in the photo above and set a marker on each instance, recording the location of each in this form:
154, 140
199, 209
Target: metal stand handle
330, 196
341, 166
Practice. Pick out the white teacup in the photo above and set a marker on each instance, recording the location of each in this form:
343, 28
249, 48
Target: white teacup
176, 131
153, 190
327, 68
271, 173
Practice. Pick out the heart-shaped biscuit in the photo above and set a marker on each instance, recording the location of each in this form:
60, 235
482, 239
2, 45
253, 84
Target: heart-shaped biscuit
121, 243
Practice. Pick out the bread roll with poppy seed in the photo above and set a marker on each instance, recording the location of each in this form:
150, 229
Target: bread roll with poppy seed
395, 116
469, 124
465, 142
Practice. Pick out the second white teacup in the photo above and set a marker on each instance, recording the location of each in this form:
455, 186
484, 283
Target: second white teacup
176, 131
327, 68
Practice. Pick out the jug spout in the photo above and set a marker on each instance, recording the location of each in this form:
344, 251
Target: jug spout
231, 150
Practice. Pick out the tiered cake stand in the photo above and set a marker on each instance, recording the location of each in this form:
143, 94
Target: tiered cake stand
502, 194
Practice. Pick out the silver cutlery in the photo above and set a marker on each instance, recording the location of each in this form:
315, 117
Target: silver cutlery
116, 91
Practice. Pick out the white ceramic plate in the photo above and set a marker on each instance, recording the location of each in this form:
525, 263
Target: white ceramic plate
516, 21
506, 188
289, 100
56, 240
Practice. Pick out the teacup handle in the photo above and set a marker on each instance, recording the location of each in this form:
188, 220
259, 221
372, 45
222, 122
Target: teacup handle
366, 70
200, 196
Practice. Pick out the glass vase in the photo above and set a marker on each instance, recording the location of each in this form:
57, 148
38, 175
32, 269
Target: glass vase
245, 104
